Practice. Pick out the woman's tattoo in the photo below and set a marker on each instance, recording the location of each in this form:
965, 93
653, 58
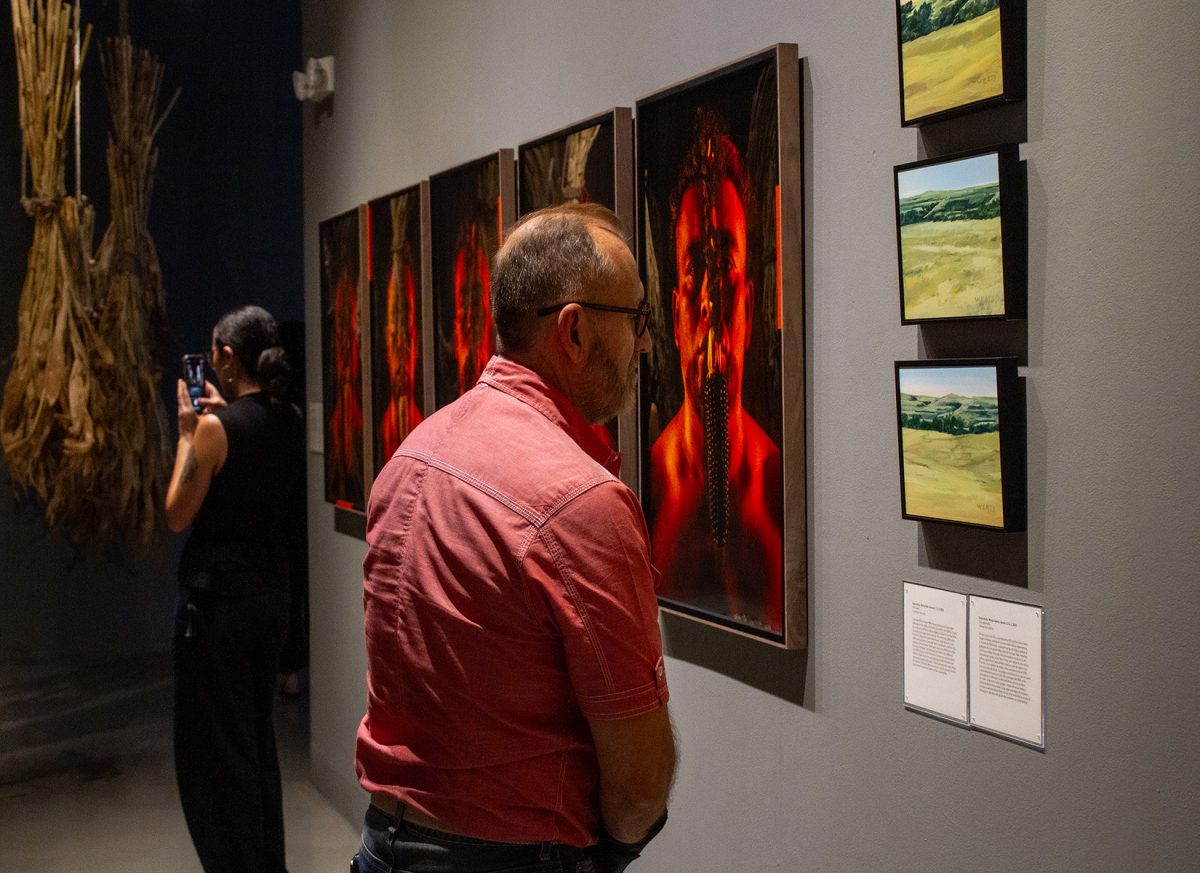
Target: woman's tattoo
189, 468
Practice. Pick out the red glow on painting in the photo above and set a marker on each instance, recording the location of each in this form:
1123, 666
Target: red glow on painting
715, 473
346, 420
403, 412
606, 435
472, 308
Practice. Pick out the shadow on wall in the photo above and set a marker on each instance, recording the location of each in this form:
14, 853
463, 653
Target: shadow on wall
778, 672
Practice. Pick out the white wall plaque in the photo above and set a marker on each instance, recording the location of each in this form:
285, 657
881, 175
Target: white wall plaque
935, 651
1007, 643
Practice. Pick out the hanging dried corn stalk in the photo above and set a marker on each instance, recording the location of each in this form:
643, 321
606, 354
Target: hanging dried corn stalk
131, 439
82, 425
47, 426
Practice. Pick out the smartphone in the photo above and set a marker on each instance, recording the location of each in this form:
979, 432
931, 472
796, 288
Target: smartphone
193, 377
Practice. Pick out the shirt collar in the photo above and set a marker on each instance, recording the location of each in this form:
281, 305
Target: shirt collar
525, 385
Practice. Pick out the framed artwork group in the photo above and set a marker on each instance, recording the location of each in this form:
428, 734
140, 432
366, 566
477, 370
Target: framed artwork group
962, 253
711, 200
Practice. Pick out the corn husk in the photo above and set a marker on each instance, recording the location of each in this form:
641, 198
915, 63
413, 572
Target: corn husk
132, 441
81, 424
47, 427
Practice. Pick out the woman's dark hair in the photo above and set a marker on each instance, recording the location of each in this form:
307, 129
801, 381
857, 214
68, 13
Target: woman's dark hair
251, 332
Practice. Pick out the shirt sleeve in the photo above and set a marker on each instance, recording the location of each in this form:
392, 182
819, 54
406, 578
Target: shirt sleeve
592, 562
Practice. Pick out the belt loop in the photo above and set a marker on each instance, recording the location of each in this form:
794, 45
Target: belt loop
546, 849
398, 814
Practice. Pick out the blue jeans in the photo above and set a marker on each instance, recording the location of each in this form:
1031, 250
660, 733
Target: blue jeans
409, 848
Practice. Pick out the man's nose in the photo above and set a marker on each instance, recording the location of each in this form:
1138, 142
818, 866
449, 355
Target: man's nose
710, 300
645, 341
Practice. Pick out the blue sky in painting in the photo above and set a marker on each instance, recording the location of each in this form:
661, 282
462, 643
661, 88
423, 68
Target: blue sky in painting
939, 381
950, 176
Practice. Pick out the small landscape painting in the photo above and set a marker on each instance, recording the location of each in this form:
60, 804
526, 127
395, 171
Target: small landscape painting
951, 252
949, 420
950, 55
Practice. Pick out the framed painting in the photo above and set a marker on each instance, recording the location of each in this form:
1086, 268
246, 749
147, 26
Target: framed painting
395, 280
961, 429
722, 404
590, 161
471, 208
957, 56
342, 253
961, 237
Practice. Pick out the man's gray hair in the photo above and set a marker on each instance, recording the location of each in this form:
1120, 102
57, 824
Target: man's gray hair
548, 258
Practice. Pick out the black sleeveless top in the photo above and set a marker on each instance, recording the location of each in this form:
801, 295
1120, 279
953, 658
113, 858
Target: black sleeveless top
243, 533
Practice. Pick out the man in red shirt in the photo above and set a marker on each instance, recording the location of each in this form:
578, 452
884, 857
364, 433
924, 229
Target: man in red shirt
517, 706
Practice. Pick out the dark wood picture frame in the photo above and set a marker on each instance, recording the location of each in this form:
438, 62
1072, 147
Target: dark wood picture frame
1011, 34
546, 176
471, 209
1011, 194
344, 362
949, 419
714, 547
395, 276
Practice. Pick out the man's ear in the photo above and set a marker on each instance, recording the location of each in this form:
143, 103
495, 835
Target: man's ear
571, 331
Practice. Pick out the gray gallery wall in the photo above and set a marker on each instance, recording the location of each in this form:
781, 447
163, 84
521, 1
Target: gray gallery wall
812, 764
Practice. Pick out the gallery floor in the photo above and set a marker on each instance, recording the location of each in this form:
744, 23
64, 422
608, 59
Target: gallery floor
87, 782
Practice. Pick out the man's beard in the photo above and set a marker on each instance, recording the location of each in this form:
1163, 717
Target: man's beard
608, 392
715, 421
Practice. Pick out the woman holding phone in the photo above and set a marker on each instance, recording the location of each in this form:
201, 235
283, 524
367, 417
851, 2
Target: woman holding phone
238, 466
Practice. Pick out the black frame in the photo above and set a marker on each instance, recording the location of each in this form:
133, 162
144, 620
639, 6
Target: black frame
1010, 400
1014, 231
1013, 29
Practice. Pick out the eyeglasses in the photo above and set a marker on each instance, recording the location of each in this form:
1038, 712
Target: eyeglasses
641, 315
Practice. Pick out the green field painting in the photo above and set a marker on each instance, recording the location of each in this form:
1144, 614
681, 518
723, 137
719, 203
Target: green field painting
951, 54
951, 257
949, 427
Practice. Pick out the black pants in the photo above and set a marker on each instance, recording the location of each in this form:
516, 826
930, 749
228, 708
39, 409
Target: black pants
226, 663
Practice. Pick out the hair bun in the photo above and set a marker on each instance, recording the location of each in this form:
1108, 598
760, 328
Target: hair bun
274, 371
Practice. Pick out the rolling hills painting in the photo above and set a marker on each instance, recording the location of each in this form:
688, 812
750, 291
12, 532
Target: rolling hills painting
950, 55
951, 252
949, 420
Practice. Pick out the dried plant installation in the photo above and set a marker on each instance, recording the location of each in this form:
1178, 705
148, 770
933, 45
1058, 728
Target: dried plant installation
132, 447
82, 426
47, 427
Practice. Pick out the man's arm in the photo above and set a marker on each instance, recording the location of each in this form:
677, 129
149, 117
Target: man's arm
637, 766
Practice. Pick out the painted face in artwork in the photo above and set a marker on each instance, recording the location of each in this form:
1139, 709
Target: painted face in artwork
711, 311
472, 307
401, 329
711, 305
